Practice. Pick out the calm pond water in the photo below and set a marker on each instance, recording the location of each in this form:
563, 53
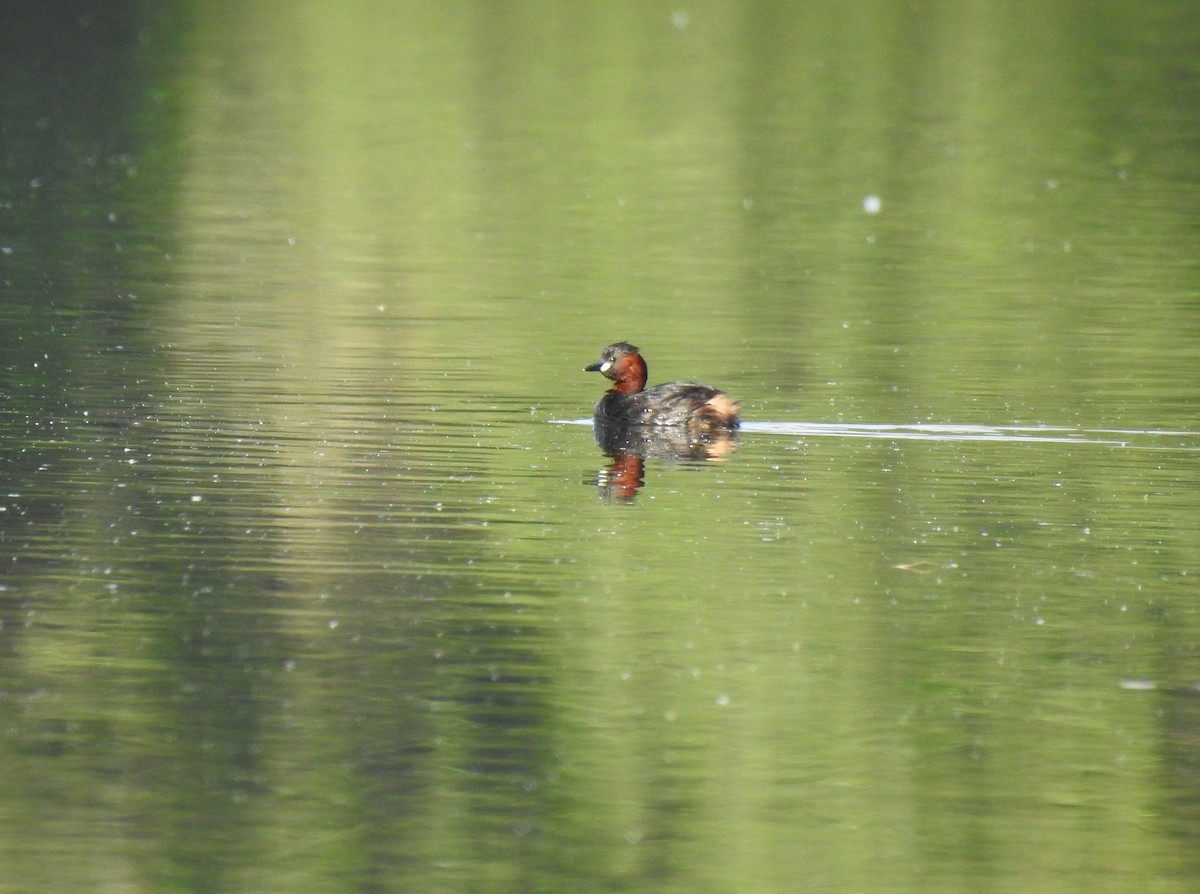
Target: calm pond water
313, 577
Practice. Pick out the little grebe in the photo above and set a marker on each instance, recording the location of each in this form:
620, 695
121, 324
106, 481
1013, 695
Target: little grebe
699, 408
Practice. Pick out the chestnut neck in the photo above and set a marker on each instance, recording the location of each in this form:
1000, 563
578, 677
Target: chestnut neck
630, 375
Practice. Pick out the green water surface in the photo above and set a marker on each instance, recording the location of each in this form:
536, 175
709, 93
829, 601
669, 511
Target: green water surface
309, 580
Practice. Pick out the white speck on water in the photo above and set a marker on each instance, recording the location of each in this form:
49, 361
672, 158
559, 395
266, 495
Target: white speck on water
1138, 685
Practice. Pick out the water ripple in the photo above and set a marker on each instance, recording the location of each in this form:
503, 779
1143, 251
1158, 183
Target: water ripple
1139, 439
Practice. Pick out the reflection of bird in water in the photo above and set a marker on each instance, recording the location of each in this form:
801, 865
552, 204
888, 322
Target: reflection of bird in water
630, 445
